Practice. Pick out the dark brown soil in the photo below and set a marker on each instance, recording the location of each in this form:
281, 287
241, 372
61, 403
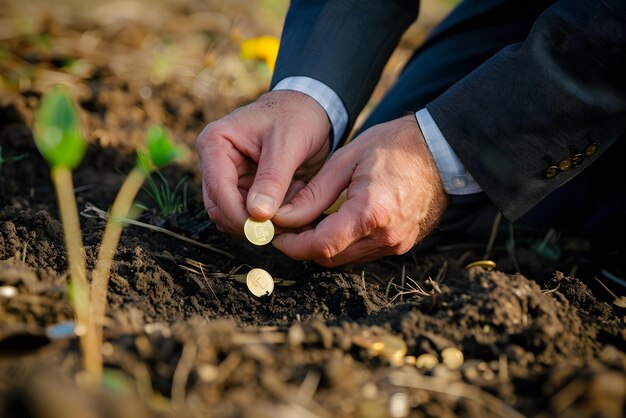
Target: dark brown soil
542, 343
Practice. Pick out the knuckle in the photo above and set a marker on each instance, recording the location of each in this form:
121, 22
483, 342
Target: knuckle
271, 175
403, 247
398, 249
209, 135
308, 194
325, 249
213, 213
374, 218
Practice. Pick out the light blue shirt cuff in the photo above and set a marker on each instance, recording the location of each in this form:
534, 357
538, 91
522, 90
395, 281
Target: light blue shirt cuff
325, 96
456, 180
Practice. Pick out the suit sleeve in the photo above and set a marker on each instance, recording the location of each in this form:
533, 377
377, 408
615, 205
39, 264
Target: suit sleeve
537, 113
342, 43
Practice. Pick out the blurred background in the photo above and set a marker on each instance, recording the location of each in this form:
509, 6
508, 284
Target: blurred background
180, 61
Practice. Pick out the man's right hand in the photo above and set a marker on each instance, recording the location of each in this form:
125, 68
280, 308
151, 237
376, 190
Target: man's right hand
255, 157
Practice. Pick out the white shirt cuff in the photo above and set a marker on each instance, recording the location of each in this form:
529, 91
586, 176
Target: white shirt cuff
456, 180
325, 96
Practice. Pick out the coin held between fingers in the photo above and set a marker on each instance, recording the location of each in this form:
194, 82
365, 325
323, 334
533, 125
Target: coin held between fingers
258, 232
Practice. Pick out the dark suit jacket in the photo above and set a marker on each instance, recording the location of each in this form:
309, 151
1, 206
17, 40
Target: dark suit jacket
524, 112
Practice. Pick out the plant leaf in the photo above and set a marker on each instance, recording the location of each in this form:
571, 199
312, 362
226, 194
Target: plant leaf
161, 149
57, 129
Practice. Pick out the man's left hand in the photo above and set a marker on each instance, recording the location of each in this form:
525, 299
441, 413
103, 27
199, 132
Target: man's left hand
395, 198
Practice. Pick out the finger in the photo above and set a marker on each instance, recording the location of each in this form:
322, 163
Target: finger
330, 237
276, 167
220, 182
245, 181
361, 251
318, 195
294, 188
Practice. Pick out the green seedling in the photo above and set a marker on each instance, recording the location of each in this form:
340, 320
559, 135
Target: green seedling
159, 151
59, 139
169, 201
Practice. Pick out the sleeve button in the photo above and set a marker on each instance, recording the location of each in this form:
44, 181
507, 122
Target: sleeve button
458, 182
577, 159
591, 149
565, 164
551, 171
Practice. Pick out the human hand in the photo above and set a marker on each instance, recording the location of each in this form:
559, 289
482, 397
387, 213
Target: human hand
254, 157
394, 199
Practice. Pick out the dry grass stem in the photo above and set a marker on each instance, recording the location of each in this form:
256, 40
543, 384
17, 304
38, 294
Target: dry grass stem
457, 390
89, 209
181, 374
414, 289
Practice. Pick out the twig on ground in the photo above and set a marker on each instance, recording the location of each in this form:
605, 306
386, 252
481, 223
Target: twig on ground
617, 300
307, 388
93, 211
415, 289
181, 374
440, 276
456, 389
206, 279
548, 291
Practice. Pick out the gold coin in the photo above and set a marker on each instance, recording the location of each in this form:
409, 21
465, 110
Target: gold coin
393, 347
452, 357
259, 282
367, 341
426, 361
409, 360
258, 232
335, 206
486, 264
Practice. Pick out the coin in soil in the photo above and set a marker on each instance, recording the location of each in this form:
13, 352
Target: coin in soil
452, 357
258, 232
259, 282
486, 264
393, 347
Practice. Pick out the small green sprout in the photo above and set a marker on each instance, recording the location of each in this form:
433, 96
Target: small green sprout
57, 130
160, 151
59, 139
168, 200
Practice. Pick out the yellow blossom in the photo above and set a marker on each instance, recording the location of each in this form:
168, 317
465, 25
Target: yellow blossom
263, 48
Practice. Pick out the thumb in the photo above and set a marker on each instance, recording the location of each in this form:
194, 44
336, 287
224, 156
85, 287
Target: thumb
317, 196
274, 174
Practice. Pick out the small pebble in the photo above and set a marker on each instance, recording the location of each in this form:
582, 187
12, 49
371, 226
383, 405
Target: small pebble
61, 330
399, 405
8, 292
107, 349
143, 346
295, 335
207, 372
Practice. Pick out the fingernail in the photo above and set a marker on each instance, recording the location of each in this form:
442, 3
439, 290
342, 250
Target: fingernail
285, 209
264, 203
